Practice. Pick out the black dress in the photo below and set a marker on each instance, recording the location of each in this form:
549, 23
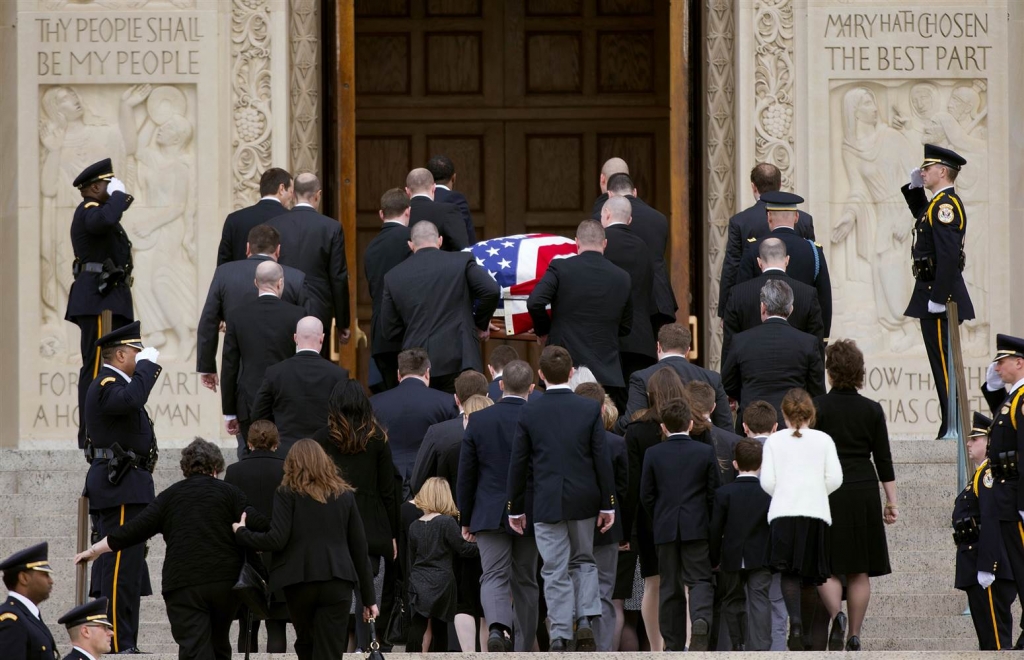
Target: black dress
857, 536
432, 546
640, 436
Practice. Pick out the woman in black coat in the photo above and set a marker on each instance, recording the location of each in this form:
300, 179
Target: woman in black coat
319, 551
203, 560
857, 426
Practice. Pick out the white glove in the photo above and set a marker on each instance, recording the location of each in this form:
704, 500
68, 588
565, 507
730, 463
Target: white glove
1021, 514
115, 185
936, 308
148, 353
992, 379
916, 180
985, 579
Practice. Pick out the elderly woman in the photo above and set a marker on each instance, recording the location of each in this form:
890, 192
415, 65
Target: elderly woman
202, 561
857, 426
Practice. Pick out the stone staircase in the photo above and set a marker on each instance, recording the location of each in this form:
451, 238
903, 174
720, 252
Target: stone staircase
915, 609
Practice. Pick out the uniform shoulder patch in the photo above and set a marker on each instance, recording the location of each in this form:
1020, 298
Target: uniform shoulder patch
8, 616
945, 213
89, 205
108, 379
752, 239
818, 245
988, 480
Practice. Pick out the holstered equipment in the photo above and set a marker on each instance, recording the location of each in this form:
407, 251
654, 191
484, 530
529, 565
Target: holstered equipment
966, 530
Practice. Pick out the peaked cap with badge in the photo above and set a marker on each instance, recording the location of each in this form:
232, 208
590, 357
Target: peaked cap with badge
23, 634
93, 612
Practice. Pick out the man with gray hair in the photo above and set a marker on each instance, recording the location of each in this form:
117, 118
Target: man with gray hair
419, 186
770, 359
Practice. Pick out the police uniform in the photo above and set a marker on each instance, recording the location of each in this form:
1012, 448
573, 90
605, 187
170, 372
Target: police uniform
93, 613
119, 483
102, 271
938, 261
23, 635
980, 548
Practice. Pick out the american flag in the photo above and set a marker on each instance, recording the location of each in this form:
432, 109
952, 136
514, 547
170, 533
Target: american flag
517, 263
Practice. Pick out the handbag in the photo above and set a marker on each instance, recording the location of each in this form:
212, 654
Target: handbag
375, 652
394, 633
252, 590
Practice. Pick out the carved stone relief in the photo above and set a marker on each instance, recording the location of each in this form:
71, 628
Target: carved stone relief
78, 5
304, 84
250, 98
773, 87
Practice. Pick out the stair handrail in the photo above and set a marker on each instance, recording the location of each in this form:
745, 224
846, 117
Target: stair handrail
957, 404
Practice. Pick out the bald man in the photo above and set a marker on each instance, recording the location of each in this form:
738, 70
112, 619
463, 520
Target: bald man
295, 392
419, 186
611, 167
259, 334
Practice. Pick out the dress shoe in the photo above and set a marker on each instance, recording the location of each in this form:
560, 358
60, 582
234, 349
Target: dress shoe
558, 646
699, 636
796, 637
585, 642
497, 642
132, 651
853, 644
837, 636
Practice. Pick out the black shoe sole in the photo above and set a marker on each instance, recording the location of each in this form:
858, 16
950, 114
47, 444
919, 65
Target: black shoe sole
699, 637
585, 642
496, 646
837, 635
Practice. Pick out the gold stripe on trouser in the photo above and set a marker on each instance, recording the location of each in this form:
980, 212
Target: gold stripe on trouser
96, 360
995, 628
1020, 528
942, 356
117, 567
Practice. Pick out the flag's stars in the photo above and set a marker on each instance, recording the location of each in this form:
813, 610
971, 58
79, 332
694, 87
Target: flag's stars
505, 263
492, 252
479, 262
507, 244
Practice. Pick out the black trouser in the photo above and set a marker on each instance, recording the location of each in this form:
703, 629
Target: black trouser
319, 613
1013, 542
91, 329
387, 365
438, 635
683, 564
727, 612
201, 618
444, 382
122, 575
277, 636
936, 342
990, 612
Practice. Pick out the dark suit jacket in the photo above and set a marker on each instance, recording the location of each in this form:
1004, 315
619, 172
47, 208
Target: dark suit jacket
677, 487
562, 439
446, 217
750, 223
294, 395
767, 361
235, 235
435, 300
724, 444
857, 426
629, 252
494, 392
743, 310
722, 416
258, 474
97, 235
387, 249
315, 244
233, 284
449, 196
22, 635
260, 334
435, 450
590, 310
739, 525
406, 412
615, 446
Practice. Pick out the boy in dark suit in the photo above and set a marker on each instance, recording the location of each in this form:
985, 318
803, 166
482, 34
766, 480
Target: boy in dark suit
739, 538
677, 487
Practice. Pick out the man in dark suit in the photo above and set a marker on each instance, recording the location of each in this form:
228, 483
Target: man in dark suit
750, 223
122, 446
443, 169
295, 391
234, 283
637, 350
315, 244
276, 197
419, 186
498, 359
743, 311
89, 629
673, 345
590, 307
260, 334
767, 361
407, 411
610, 168
561, 440
102, 268
442, 301
387, 249
509, 561
28, 579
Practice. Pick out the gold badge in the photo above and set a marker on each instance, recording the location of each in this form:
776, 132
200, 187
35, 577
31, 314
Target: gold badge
945, 213
988, 480
1005, 410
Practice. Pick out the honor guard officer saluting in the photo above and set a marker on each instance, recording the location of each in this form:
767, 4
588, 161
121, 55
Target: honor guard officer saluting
122, 452
23, 635
938, 258
89, 629
102, 268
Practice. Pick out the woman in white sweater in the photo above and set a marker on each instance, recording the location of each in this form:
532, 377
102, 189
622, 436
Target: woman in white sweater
799, 469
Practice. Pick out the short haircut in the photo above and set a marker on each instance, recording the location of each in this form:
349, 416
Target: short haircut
620, 184
676, 415
263, 435
748, 455
766, 178
11, 579
760, 416
263, 239
590, 233
675, 337
413, 362
273, 179
419, 180
844, 363
501, 356
798, 408
476, 403
268, 273
424, 233
441, 167
393, 203
952, 173
591, 391
772, 251
777, 297
556, 363
618, 208
702, 396
307, 184
201, 457
469, 383
107, 353
517, 377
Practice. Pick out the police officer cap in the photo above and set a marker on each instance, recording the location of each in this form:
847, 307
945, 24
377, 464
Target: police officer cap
980, 426
94, 611
1007, 346
29, 559
781, 201
102, 170
129, 335
934, 154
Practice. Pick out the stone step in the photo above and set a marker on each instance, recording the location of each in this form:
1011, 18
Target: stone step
926, 495
922, 451
946, 604
912, 583
924, 647
929, 474
922, 561
918, 626
48, 460
65, 482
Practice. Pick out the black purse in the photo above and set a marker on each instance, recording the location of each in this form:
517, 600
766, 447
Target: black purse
252, 590
394, 633
375, 652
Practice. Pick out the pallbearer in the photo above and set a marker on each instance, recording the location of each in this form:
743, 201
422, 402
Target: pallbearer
90, 630
27, 578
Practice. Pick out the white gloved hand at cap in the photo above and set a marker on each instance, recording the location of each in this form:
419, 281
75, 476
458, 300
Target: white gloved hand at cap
115, 185
916, 180
936, 308
148, 353
992, 379
985, 579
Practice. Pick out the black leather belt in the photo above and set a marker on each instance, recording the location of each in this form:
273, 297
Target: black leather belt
87, 267
92, 453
